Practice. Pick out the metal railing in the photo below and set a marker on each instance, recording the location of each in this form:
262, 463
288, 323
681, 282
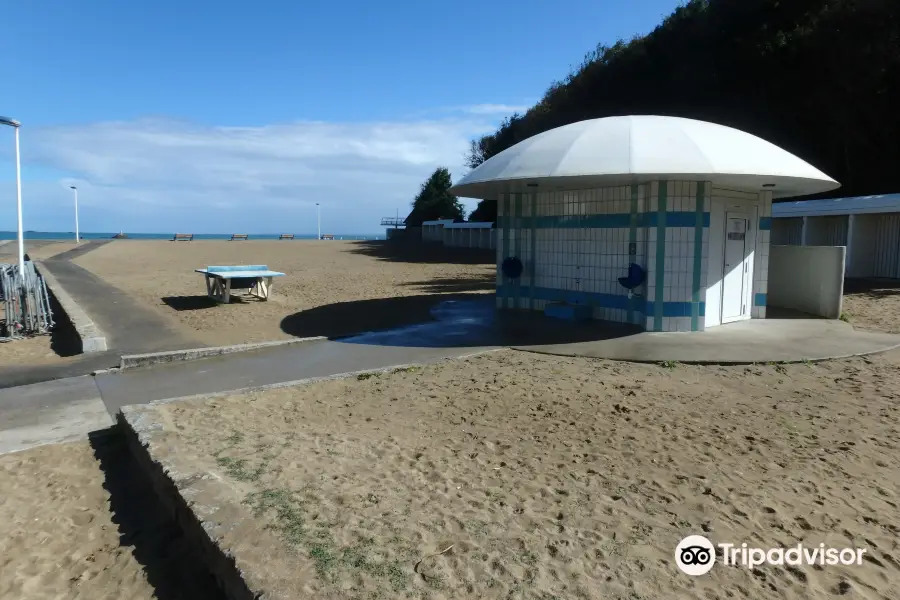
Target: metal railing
26, 303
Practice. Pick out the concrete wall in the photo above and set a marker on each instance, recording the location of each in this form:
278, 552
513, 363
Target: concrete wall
807, 278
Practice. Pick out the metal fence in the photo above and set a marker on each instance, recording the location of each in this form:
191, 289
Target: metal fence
26, 303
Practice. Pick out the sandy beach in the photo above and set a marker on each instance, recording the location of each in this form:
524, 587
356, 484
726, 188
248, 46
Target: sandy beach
330, 288
74, 523
553, 477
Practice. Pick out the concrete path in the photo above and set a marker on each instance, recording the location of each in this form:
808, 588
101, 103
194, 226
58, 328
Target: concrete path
258, 368
82, 249
746, 342
130, 327
50, 412
69, 409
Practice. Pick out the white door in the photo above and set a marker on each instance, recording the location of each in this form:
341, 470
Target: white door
734, 280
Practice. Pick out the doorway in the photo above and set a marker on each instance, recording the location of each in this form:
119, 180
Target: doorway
736, 274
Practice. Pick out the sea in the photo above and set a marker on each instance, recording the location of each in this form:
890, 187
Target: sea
70, 235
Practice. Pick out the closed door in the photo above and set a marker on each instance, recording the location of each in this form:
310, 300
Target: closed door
734, 277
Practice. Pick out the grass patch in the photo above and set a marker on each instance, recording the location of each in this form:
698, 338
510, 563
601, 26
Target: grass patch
330, 561
669, 364
364, 376
845, 317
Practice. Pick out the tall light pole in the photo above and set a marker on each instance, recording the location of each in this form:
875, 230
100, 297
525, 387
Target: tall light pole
75, 189
318, 222
15, 125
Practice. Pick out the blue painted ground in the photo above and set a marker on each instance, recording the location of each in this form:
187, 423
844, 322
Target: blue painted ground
477, 323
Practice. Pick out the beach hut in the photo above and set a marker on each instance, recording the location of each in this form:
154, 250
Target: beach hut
473, 234
661, 222
433, 231
869, 226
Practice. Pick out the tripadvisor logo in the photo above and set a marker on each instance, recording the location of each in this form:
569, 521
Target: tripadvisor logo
696, 555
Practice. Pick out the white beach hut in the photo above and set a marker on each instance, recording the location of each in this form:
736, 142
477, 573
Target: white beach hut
657, 221
869, 226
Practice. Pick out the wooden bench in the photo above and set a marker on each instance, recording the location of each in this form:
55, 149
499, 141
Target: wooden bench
183, 237
237, 237
328, 236
286, 236
221, 280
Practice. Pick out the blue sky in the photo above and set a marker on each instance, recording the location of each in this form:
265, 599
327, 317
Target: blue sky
223, 116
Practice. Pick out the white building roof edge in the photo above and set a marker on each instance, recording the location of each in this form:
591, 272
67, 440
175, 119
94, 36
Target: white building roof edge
636, 149
859, 205
443, 222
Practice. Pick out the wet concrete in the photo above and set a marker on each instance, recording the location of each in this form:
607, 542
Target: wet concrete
476, 323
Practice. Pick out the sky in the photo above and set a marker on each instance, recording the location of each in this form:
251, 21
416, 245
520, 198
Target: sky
215, 117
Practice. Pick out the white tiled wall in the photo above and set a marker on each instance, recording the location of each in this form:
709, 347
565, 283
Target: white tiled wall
761, 261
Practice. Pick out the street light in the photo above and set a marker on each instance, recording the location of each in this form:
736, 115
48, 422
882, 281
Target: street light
15, 125
75, 189
318, 222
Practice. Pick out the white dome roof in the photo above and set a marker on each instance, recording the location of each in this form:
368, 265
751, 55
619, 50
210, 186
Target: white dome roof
635, 149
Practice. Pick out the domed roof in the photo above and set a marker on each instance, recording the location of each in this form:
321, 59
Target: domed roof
635, 149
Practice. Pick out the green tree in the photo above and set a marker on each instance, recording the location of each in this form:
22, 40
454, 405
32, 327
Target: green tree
435, 200
820, 78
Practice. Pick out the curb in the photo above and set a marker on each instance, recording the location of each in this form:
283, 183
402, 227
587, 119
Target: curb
92, 338
131, 361
308, 380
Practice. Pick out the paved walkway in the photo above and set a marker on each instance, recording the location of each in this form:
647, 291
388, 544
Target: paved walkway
130, 328
66, 409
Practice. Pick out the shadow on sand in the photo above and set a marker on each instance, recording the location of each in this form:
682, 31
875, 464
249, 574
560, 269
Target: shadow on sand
418, 252
146, 527
349, 318
444, 321
481, 283
181, 303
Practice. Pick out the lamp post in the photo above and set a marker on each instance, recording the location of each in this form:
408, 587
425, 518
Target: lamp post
318, 222
77, 237
15, 125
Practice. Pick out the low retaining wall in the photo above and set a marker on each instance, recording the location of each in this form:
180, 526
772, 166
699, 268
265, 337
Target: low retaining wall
131, 361
807, 278
92, 338
166, 482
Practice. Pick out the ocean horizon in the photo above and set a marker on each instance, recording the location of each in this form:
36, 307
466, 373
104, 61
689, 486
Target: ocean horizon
70, 235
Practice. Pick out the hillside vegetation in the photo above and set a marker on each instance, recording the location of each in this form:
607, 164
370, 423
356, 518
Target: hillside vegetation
820, 78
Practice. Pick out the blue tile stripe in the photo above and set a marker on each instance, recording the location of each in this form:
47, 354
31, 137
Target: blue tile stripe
532, 263
660, 266
759, 300
765, 223
598, 300
632, 241
698, 257
612, 221
505, 204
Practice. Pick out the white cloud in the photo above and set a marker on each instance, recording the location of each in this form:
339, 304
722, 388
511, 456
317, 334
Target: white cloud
154, 174
494, 109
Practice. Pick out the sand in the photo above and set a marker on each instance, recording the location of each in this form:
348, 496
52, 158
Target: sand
554, 477
57, 537
74, 523
330, 288
873, 305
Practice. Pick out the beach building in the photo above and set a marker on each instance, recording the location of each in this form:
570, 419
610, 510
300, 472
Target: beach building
661, 222
433, 231
473, 234
869, 226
